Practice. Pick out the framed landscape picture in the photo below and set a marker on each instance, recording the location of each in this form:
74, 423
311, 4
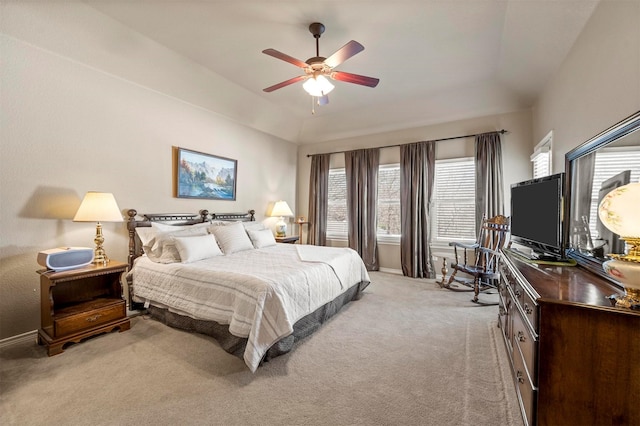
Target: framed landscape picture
200, 175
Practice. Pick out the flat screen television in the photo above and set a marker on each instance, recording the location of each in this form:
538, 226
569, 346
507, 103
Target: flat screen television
537, 216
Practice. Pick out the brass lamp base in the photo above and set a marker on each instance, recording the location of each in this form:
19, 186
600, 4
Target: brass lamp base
631, 299
99, 255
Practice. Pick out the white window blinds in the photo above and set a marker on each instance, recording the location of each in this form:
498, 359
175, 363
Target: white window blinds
608, 163
453, 200
337, 204
541, 157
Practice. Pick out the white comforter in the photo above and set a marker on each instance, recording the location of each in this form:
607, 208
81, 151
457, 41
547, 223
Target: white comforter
260, 293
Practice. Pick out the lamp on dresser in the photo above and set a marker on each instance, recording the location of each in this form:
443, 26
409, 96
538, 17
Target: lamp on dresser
618, 211
281, 209
98, 207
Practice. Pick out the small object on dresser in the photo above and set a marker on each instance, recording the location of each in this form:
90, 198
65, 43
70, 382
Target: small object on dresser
618, 212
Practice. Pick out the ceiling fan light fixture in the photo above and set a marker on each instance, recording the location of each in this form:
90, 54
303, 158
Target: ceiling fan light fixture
318, 86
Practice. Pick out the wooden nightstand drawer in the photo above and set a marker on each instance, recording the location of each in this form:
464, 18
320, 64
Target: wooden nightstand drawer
87, 315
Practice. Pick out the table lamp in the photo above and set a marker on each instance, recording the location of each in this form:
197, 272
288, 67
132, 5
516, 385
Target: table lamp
618, 211
281, 209
98, 207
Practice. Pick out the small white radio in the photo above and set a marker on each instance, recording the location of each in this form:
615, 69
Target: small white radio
64, 258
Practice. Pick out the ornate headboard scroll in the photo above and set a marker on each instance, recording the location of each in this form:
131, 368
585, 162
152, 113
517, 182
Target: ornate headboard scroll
235, 217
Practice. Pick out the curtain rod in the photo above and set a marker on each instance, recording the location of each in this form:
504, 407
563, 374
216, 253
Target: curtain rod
502, 132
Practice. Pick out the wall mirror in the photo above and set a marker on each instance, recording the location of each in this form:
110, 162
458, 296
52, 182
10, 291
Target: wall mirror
601, 164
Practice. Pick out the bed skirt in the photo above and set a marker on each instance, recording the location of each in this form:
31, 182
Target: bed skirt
236, 345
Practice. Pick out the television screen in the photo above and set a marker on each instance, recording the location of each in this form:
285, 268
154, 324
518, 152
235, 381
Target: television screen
536, 214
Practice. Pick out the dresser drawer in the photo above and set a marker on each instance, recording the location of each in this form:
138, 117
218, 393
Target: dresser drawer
527, 392
87, 315
527, 345
505, 311
527, 305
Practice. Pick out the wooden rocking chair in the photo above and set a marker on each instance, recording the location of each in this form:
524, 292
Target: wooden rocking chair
483, 267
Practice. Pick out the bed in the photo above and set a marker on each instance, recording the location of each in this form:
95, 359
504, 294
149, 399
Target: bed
225, 276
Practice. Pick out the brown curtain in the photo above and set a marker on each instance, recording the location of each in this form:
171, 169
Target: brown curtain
417, 164
318, 199
361, 168
489, 181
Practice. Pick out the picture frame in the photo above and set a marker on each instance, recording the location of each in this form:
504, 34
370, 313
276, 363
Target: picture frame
204, 176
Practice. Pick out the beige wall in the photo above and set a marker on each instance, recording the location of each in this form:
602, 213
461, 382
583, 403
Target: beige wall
517, 146
599, 82
73, 122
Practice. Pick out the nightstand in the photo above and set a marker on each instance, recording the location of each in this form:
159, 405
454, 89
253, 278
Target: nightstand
80, 303
288, 240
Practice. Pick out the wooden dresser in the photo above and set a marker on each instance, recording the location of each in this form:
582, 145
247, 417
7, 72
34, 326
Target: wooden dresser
575, 359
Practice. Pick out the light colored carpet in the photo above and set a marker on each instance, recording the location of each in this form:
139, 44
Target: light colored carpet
407, 353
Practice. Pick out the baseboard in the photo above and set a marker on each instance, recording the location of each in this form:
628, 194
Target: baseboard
391, 271
20, 338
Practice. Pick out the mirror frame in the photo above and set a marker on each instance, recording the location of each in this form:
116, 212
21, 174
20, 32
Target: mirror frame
613, 133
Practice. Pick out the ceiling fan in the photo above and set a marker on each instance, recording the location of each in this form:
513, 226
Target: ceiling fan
318, 68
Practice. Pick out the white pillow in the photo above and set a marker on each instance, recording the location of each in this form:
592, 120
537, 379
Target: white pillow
219, 223
261, 238
247, 225
197, 248
146, 234
232, 238
255, 226
177, 231
164, 248
163, 227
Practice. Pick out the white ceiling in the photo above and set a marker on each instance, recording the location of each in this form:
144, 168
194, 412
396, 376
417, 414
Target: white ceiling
437, 60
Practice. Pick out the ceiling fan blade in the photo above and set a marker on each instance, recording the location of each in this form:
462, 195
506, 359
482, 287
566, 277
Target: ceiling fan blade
282, 56
284, 83
344, 53
355, 78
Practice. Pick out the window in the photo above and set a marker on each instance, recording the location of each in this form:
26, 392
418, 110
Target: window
337, 205
541, 157
388, 204
609, 162
453, 204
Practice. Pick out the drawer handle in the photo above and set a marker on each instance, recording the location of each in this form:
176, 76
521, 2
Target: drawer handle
517, 292
521, 336
94, 318
501, 311
520, 376
528, 309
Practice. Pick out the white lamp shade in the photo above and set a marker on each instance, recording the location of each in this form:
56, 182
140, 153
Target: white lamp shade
98, 207
619, 209
281, 208
318, 86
